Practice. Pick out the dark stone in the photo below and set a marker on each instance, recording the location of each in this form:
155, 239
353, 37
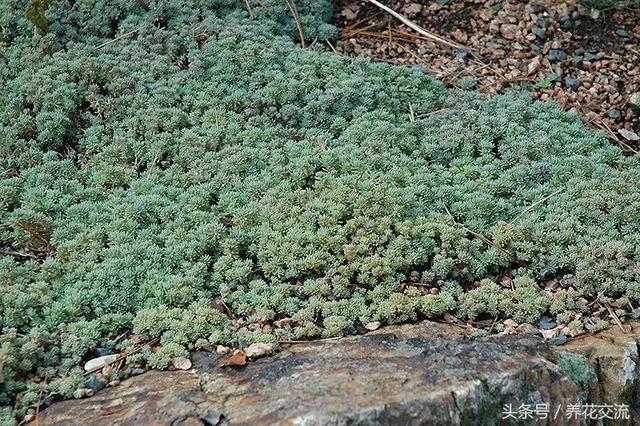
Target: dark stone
94, 384
212, 418
553, 78
622, 33
577, 60
537, 7
565, 22
556, 55
572, 83
591, 57
542, 22
103, 351
526, 86
137, 371
461, 54
546, 323
560, 339
539, 32
614, 114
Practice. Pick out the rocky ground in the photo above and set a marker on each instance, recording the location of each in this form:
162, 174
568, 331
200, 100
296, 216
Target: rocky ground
586, 61
418, 374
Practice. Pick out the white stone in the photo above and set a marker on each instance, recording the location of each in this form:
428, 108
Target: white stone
257, 350
99, 363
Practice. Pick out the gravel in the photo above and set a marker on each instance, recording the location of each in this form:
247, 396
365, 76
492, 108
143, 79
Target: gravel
555, 51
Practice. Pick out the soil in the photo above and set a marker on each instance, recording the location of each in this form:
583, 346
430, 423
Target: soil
585, 60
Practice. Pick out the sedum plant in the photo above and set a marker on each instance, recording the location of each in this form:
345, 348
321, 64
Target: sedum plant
189, 176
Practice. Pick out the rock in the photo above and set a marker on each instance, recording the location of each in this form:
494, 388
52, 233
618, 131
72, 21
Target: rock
622, 33
614, 114
212, 417
99, 363
546, 323
80, 393
446, 378
258, 350
412, 9
552, 78
372, 325
181, 363
572, 83
537, 7
220, 349
534, 65
560, 339
461, 54
103, 351
565, 22
539, 32
418, 374
137, 371
556, 55
107, 371
629, 135
591, 57
509, 31
635, 99
95, 383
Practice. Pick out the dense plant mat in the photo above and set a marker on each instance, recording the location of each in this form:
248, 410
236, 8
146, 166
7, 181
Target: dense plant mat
181, 173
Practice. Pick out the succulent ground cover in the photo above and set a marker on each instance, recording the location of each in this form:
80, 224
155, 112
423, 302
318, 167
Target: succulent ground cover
179, 175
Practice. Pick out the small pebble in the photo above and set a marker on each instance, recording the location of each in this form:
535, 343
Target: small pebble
94, 383
557, 55
372, 325
572, 83
539, 32
137, 371
103, 352
257, 350
622, 33
181, 363
560, 339
546, 323
614, 114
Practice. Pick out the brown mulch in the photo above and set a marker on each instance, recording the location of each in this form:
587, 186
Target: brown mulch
555, 50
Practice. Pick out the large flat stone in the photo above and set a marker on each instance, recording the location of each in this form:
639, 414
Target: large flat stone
421, 374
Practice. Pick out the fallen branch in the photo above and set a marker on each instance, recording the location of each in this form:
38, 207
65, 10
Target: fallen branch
419, 29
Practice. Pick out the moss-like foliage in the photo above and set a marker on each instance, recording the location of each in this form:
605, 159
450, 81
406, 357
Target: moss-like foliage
577, 368
181, 171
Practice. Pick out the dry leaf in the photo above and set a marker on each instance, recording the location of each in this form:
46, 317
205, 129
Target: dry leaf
238, 359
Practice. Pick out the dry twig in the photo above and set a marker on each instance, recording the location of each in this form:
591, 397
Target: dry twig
296, 18
248, 6
419, 29
120, 37
536, 204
